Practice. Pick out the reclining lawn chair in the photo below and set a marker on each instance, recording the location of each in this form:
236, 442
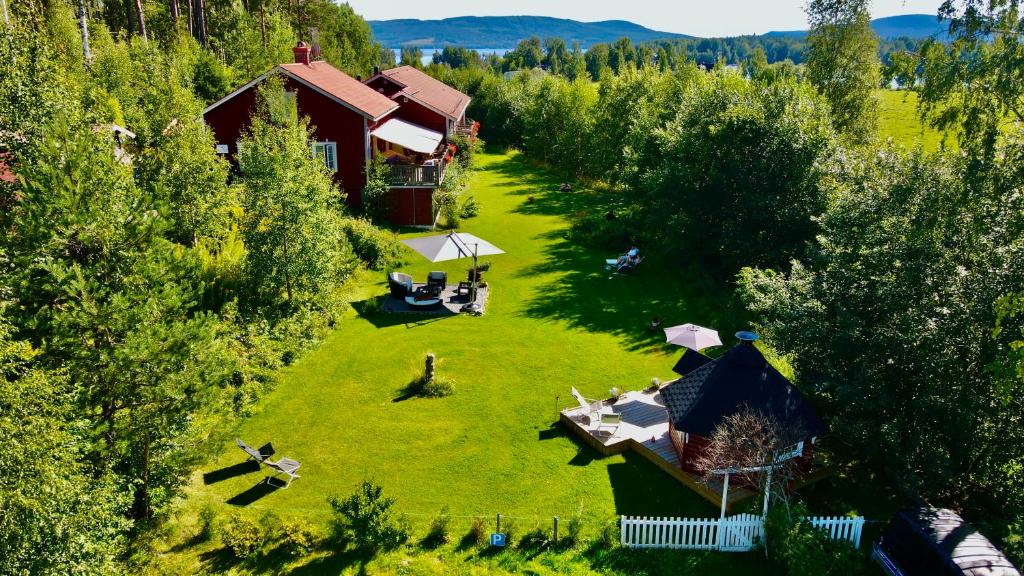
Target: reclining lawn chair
264, 452
590, 407
283, 466
627, 262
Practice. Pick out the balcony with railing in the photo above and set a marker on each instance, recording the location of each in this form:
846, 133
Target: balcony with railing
468, 128
428, 175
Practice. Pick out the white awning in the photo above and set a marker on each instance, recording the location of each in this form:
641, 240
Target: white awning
408, 135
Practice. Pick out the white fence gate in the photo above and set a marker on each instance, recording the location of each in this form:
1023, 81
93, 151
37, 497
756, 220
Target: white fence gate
740, 533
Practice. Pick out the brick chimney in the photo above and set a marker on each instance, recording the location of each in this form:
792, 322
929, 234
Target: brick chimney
302, 53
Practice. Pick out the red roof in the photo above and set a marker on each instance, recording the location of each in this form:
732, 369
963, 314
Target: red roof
341, 86
432, 92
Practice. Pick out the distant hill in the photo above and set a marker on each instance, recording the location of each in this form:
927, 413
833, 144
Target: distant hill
908, 25
506, 31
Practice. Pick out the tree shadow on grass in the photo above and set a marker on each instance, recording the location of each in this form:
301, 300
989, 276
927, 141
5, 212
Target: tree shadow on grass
641, 488
232, 471
334, 563
262, 489
589, 297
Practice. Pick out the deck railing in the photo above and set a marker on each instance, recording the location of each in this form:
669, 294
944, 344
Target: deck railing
417, 174
467, 128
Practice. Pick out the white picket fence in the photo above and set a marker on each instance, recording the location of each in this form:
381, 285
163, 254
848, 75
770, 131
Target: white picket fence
739, 533
840, 527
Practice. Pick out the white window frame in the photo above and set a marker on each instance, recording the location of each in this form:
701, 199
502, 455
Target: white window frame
329, 151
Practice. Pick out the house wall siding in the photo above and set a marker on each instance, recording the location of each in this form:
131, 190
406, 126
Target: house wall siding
329, 122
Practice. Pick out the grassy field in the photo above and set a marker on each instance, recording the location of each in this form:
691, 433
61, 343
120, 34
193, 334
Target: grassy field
554, 319
898, 119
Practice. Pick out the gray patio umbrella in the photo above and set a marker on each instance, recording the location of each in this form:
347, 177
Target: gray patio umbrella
453, 246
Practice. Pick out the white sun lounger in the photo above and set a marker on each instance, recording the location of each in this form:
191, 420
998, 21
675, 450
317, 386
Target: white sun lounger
590, 407
285, 466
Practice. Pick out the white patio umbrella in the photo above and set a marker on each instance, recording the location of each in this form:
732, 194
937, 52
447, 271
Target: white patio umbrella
692, 336
453, 246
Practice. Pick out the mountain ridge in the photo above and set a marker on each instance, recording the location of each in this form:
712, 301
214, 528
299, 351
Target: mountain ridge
498, 32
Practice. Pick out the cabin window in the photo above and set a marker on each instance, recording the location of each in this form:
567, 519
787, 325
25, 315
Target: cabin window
329, 152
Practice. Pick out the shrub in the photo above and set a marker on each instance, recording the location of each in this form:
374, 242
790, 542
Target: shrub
379, 249
466, 149
376, 193
366, 520
608, 537
573, 532
437, 535
243, 537
477, 534
439, 387
510, 530
805, 550
470, 207
299, 538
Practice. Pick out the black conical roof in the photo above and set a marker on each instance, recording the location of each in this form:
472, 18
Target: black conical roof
701, 399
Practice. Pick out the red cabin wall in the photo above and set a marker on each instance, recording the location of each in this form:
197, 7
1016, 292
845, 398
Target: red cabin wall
411, 206
329, 121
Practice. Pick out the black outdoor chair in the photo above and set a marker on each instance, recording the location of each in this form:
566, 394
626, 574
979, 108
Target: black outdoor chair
400, 284
437, 281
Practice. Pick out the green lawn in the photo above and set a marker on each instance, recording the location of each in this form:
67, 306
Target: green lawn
554, 319
898, 119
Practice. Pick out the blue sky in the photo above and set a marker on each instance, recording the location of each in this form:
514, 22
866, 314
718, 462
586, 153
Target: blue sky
697, 17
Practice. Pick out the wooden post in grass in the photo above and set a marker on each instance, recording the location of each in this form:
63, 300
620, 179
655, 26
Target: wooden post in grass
497, 524
555, 531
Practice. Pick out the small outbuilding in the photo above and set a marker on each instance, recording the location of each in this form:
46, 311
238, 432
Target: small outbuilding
710, 390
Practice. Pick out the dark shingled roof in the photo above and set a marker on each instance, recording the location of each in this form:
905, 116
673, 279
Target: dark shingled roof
940, 540
690, 361
700, 400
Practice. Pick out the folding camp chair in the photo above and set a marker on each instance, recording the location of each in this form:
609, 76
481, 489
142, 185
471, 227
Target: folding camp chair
628, 261
264, 452
283, 466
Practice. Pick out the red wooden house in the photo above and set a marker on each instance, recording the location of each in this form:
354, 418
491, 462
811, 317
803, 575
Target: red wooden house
712, 389
402, 115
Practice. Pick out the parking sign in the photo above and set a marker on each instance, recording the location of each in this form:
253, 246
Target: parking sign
497, 539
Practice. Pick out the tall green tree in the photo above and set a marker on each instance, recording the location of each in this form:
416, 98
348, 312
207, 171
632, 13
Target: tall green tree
292, 224
889, 324
843, 64
58, 513
115, 303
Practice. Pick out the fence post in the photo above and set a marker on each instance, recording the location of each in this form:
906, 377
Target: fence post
555, 533
497, 524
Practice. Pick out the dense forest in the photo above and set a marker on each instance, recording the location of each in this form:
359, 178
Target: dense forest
147, 290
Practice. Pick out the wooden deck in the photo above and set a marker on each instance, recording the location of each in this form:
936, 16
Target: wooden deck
644, 429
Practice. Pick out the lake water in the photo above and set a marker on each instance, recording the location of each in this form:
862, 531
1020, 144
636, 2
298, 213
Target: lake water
428, 53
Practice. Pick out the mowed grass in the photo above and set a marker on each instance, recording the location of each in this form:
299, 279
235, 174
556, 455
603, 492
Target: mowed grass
898, 119
554, 320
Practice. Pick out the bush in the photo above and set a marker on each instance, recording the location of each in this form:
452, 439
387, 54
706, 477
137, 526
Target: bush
805, 550
379, 249
466, 149
439, 387
510, 530
477, 534
243, 537
470, 207
573, 532
437, 535
299, 538
608, 537
365, 519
